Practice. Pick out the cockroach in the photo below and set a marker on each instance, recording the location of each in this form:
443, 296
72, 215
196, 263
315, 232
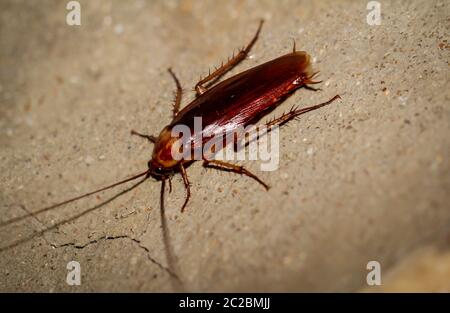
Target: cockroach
237, 101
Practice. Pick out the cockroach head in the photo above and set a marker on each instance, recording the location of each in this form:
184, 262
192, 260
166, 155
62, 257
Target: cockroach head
157, 171
162, 164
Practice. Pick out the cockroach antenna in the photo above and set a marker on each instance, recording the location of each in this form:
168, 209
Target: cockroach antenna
54, 206
55, 226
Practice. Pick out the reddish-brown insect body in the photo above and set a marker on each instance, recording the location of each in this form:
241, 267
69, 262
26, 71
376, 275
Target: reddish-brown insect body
237, 101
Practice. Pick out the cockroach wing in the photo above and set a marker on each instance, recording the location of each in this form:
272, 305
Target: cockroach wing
246, 97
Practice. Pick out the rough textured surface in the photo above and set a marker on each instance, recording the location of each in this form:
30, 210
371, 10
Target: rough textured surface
364, 179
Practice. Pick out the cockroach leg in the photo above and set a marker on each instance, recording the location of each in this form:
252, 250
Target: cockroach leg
224, 166
297, 112
187, 185
201, 88
178, 94
150, 138
286, 117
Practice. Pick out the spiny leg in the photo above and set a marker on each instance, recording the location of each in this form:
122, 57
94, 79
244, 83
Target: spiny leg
200, 87
178, 94
187, 185
292, 114
224, 166
150, 138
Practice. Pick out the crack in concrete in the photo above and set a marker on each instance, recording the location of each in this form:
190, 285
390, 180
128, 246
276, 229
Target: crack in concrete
134, 240
106, 237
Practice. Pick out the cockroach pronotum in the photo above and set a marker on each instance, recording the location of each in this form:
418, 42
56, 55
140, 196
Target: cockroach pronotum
237, 101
